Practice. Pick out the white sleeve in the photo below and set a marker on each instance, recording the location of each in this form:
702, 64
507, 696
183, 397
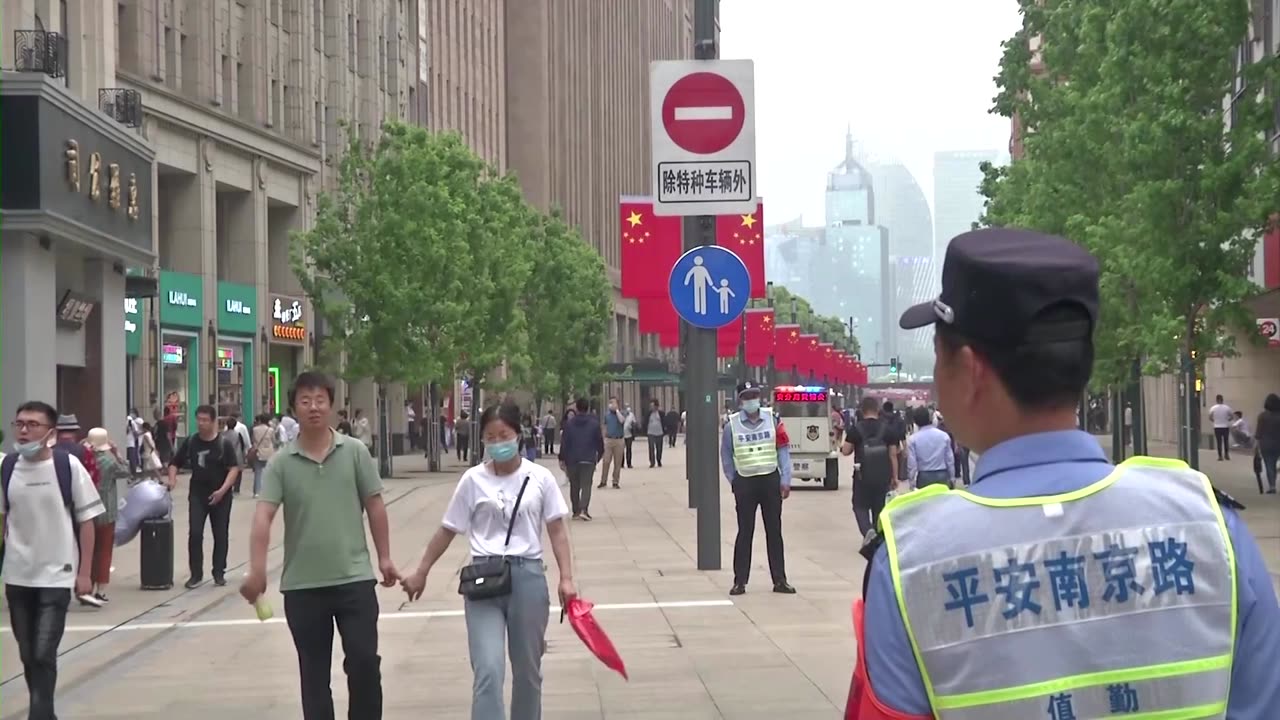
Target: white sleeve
84, 496
553, 504
457, 517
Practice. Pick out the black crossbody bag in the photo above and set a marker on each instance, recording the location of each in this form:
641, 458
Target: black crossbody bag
491, 577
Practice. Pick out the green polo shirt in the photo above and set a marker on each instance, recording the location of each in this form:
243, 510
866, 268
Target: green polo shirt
324, 538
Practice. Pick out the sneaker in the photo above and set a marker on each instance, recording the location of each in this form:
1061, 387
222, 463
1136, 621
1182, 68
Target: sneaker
193, 582
587, 516
616, 486
601, 485
101, 598
89, 600
220, 580
577, 516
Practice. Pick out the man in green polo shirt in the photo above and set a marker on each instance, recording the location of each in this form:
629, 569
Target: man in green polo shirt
326, 482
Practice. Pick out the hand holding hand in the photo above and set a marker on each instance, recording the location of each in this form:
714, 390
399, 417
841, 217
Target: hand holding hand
253, 587
390, 575
414, 584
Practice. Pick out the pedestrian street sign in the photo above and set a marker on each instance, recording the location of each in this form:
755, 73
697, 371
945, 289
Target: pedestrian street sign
709, 286
702, 123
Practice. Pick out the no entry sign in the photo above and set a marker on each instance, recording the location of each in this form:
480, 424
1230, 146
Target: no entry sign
703, 130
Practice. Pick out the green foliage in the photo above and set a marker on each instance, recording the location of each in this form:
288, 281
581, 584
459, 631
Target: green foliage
388, 263
1125, 152
568, 303
830, 328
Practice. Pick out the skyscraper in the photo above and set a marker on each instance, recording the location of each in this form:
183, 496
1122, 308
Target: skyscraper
957, 204
852, 280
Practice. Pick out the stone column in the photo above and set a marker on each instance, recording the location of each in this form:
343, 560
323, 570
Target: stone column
28, 288
106, 357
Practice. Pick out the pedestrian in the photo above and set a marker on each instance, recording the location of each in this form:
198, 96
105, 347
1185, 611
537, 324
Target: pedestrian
1141, 579
630, 426
363, 432
581, 449
755, 457
549, 426
1267, 433
931, 458
163, 433
503, 506
655, 432
241, 442
344, 425
327, 485
614, 444
111, 470
875, 445
49, 504
462, 433
132, 430
672, 425
211, 458
1221, 416
264, 448
528, 438
411, 425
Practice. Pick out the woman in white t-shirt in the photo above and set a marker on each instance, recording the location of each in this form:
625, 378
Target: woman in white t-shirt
481, 509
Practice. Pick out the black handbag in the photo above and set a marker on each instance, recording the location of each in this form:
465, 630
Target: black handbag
491, 577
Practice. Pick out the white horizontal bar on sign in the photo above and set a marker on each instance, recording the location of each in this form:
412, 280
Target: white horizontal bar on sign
710, 112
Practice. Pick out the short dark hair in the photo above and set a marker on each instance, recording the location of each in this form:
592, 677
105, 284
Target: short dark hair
36, 406
506, 412
1218, 398
207, 411
1272, 403
922, 417
342, 413
314, 380
869, 404
230, 422
1041, 375
888, 406
655, 402
581, 405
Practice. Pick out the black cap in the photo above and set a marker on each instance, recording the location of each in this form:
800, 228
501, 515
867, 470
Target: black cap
748, 386
996, 280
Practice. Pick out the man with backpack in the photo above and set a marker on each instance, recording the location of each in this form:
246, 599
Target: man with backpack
214, 468
49, 504
875, 444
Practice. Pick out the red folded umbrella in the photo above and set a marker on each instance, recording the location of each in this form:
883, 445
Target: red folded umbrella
592, 635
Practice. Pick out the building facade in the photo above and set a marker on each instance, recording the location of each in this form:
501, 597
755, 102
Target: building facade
76, 196
957, 202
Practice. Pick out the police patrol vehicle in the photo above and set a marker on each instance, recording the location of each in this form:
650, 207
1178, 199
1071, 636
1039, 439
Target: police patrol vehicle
806, 412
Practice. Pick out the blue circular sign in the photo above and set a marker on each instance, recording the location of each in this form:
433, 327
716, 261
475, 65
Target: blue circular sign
709, 286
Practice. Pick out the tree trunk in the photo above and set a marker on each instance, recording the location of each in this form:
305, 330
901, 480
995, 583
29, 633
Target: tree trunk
384, 433
477, 440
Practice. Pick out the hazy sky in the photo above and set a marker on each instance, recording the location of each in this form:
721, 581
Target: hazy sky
910, 76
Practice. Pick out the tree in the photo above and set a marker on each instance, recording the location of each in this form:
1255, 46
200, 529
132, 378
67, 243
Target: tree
567, 303
1126, 153
388, 263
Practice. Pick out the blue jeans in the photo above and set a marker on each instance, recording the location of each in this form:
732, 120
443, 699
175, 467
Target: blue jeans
259, 468
519, 622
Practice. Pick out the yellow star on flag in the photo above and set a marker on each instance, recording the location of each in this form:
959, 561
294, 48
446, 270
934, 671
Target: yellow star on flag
634, 218
749, 220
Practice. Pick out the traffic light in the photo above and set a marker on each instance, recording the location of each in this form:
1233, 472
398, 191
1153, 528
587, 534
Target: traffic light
893, 365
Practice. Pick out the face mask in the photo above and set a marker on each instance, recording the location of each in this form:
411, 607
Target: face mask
31, 449
503, 451
751, 407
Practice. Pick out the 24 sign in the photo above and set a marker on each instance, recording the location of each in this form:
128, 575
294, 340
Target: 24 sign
1269, 329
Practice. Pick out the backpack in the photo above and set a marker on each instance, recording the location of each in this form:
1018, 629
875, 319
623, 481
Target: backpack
62, 468
86, 458
875, 467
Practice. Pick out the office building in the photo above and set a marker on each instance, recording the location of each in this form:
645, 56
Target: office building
852, 279
957, 202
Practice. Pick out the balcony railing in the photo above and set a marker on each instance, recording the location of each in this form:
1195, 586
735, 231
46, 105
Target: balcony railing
40, 51
122, 104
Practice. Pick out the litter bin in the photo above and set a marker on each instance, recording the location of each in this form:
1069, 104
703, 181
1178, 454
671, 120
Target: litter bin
157, 553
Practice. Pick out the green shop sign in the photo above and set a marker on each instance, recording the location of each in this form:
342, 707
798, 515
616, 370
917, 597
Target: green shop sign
181, 295
237, 308
132, 327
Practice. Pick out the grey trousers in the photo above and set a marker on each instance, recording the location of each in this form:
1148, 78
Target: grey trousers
516, 623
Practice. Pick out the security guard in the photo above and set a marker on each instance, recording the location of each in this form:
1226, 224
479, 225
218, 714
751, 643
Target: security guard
755, 455
1057, 586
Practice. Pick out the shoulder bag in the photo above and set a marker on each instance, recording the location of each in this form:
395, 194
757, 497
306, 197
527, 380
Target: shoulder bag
491, 577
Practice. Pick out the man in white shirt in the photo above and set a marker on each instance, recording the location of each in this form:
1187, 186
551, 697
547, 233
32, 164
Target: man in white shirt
287, 429
49, 504
132, 431
930, 456
1221, 416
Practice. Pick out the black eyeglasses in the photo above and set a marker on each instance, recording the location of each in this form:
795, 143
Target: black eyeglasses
21, 425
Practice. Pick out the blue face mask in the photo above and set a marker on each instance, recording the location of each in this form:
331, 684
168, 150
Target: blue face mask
31, 449
751, 407
503, 451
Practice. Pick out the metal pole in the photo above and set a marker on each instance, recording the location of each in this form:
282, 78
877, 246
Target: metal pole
700, 369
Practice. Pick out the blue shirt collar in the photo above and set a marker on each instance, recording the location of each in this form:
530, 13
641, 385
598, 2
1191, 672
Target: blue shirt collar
1044, 448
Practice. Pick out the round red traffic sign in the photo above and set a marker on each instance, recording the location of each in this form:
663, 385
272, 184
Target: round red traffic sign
703, 113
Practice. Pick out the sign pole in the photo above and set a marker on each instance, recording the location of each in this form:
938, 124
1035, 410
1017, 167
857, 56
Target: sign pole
701, 368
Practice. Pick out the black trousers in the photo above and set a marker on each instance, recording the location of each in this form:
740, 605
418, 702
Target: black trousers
312, 615
38, 617
655, 450
765, 493
866, 510
219, 517
626, 444
671, 439
548, 441
580, 478
1222, 439
463, 445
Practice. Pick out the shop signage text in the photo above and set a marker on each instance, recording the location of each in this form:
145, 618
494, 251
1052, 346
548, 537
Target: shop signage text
98, 176
171, 354
286, 312
181, 299
226, 358
1269, 329
239, 307
130, 309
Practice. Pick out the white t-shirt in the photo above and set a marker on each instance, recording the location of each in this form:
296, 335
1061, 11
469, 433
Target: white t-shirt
288, 429
1221, 415
133, 428
40, 549
482, 503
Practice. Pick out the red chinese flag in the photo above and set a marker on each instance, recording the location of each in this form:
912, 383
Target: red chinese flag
859, 374
786, 347
807, 361
759, 336
650, 246
826, 361
728, 337
837, 368
658, 317
744, 234
669, 339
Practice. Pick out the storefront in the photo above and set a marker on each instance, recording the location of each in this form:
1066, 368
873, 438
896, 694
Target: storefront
233, 360
181, 317
75, 190
132, 346
288, 339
